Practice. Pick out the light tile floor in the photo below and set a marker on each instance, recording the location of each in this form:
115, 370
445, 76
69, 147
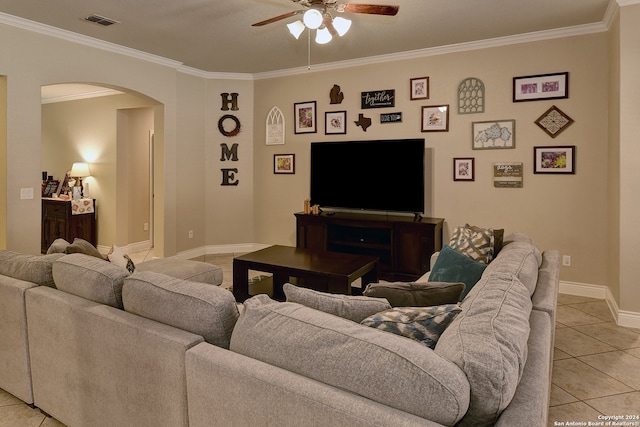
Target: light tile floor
596, 368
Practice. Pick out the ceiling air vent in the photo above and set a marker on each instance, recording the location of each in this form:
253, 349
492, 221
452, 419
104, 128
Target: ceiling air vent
101, 20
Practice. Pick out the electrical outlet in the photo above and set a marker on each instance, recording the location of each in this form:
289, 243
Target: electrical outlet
566, 260
145, 226
191, 234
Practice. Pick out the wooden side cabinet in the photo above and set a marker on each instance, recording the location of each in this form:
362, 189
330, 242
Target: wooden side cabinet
404, 245
58, 222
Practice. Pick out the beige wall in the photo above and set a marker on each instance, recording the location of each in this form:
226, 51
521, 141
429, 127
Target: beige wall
567, 212
3, 162
629, 213
184, 134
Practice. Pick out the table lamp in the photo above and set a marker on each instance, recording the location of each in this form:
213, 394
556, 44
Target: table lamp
79, 171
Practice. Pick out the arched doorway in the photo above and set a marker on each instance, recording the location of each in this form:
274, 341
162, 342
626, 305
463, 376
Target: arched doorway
111, 129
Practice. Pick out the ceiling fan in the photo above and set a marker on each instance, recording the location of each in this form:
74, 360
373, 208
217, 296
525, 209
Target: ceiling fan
317, 15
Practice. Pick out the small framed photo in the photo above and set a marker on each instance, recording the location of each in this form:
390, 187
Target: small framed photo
335, 122
435, 118
419, 88
463, 169
305, 117
542, 86
494, 134
560, 159
284, 163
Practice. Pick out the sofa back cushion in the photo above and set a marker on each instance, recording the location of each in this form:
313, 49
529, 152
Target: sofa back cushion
352, 307
29, 268
91, 278
200, 308
195, 271
380, 366
488, 341
520, 257
416, 294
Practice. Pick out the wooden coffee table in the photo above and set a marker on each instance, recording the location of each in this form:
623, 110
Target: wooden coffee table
335, 271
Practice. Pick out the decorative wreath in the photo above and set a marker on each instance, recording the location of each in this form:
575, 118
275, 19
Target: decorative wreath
232, 132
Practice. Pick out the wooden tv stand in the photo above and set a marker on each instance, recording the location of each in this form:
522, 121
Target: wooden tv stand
403, 244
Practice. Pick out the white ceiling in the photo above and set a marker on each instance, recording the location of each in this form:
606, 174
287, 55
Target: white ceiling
217, 36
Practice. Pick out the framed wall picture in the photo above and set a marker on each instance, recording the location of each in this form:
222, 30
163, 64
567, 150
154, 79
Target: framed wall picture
553, 121
305, 117
284, 163
542, 86
493, 134
419, 88
559, 159
435, 118
335, 122
464, 169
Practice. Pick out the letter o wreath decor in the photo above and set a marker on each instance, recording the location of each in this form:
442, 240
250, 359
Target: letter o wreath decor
232, 132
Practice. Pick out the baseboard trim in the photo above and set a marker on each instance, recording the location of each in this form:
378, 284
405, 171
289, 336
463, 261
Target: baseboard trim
628, 319
130, 248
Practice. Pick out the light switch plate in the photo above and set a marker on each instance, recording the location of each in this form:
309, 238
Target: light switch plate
26, 193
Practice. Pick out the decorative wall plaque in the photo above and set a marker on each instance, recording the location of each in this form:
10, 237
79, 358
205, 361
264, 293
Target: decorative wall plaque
471, 96
378, 99
507, 175
275, 127
554, 121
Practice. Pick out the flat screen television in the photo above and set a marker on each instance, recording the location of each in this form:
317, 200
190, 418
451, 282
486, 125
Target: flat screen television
380, 175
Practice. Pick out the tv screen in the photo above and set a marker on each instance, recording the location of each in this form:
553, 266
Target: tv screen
381, 175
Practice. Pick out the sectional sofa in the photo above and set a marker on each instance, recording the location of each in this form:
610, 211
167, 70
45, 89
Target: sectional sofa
150, 349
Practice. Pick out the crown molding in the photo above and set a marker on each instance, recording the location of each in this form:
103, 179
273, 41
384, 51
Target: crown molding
442, 50
70, 36
83, 95
419, 53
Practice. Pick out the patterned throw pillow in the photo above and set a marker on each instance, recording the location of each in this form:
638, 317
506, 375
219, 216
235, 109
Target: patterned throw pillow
475, 242
423, 324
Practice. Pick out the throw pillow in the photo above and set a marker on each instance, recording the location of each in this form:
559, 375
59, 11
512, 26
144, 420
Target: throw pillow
80, 246
59, 246
498, 237
454, 267
354, 308
475, 242
423, 324
415, 294
117, 256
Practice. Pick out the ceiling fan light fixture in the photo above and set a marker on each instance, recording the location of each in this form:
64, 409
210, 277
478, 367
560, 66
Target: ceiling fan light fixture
341, 25
312, 18
323, 36
296, 28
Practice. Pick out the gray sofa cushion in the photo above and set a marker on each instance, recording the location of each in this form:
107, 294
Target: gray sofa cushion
200, 308
29, 268
355, 308
520, 257
383, 367
488, 341
91, 278
416, 294
195, 271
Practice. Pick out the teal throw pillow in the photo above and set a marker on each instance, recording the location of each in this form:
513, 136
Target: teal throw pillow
423, 324
452, 266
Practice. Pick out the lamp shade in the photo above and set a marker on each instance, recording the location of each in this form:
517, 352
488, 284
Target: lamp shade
79, 170
296, 28
341, 25
323, 36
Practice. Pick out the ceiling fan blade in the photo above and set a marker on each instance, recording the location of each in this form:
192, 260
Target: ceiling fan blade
277, 18
373, 9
